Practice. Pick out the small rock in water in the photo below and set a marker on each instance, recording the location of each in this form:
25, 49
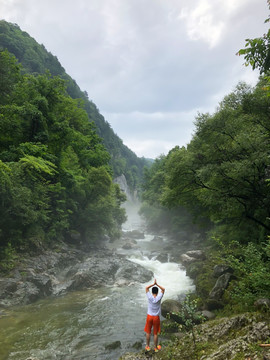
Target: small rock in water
127, 246
114, 345
137, 345
163, 258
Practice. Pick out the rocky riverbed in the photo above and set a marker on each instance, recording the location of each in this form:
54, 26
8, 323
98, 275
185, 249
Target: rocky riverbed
68, 303
56, 272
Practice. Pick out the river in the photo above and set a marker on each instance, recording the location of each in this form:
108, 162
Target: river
79, 325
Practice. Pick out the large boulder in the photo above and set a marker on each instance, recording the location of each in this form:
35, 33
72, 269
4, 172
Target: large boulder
221, 285
43, 282
110, 270
192, 256
24, 291
171, 307
130, 271
186, 260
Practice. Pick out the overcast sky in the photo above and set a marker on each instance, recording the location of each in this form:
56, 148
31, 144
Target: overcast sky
149, 65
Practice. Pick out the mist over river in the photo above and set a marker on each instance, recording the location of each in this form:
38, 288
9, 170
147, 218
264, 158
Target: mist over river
80, 324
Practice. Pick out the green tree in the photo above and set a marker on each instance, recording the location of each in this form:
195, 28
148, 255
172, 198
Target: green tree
257, 51
9, 75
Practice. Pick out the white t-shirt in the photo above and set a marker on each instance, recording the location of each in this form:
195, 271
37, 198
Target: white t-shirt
154, 304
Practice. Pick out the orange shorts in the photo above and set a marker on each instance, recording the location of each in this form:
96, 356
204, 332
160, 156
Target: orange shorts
152, 321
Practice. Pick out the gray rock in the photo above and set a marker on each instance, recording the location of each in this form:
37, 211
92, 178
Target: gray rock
186, 260
81, 281
197, 254
171, 307
43, 282
127, 246
7, 287
262, 304
221, 285
137, 345
163, 258
208, 314
133, 272
114, 345
95, 271
27, 293
221, 269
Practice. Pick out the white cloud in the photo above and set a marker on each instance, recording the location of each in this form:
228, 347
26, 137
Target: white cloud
202, 23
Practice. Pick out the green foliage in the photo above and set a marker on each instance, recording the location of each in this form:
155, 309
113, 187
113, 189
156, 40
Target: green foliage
189, 317
222, 175
251, 265
257, 51
8, 258
9, 75
54, 171
189, 314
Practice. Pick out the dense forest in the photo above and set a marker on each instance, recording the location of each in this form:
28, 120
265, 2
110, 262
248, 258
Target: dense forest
35, 59
220, 183
55, 177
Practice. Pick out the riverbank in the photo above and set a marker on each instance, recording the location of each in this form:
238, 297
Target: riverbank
228, 338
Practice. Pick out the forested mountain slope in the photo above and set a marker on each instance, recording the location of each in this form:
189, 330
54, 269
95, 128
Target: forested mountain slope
55, 178
35, 59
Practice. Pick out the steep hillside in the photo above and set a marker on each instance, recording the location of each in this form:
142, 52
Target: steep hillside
35, 59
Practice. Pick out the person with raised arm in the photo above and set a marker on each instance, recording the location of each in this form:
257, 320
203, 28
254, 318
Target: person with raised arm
153, 314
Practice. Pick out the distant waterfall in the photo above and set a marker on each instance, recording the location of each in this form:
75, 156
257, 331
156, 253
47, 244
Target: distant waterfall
122, 182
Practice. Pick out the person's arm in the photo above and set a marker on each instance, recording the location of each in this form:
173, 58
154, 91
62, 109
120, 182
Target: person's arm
149, 286
161, 287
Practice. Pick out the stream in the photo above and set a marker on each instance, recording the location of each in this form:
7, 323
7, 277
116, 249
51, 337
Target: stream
80, 324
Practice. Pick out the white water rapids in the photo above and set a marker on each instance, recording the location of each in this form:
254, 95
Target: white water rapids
79, 325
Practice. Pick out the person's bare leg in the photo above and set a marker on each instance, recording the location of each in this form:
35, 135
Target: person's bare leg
156, 340
147, 339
